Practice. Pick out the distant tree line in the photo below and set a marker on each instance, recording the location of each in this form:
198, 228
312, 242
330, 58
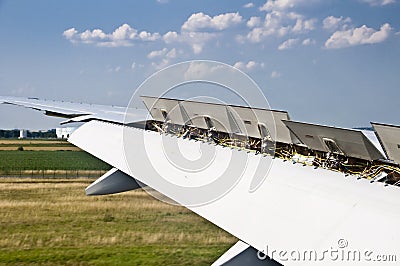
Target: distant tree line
14, 133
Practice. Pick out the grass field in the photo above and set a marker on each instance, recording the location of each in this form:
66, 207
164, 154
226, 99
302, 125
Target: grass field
52, 222
49, 160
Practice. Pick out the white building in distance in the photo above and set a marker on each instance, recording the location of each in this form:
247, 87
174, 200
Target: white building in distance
23, 134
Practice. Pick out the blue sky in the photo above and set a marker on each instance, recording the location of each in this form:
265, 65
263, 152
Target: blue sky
324, 61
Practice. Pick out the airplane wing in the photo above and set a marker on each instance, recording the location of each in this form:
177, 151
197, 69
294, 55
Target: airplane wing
77, 112
313, 202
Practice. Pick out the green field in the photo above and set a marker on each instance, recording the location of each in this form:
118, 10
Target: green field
52, 222
49, 160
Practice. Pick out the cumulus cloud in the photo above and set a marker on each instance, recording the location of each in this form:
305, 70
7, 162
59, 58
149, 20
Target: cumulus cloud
70, 33
147, 36
304, 25
172, 53
282, 4
307, 42
253, 22
164, 53
201, 70
196, 40
248, 5
157, 53
280, 20
278, 23
124, 35
170, 36
332, 23
288, 44
166, 56
379, 2
358, 36
196, 31
201, 28
201, 21
249, 66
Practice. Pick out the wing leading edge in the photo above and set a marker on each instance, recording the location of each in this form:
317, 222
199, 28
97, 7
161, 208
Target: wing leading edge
78, 112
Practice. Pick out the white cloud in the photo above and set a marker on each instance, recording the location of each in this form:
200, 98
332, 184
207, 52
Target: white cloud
248, 5
307, 42
278, 23
201, 70
332, 23
162, 53
157, 53
162, 1
358, 36
253, 22
196, 40
282, 4
124, 35
123, 32
147, 36
70, 33
288, 44
171, 53
249, 66
164, 62
201, 21
170, 36
379, 2
304, 25
275, 74
194, 30
91, 36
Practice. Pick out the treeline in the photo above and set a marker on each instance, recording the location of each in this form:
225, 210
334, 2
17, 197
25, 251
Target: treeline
8, 134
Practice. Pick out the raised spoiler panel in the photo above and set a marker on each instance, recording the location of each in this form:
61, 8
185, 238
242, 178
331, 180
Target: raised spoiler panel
389, 137
295, 208
229, 118
352, 142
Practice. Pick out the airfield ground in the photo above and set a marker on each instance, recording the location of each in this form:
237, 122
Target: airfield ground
47, 158
50, 221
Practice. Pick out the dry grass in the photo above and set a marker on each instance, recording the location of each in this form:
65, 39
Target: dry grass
36, 145
44, 220
30, 141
